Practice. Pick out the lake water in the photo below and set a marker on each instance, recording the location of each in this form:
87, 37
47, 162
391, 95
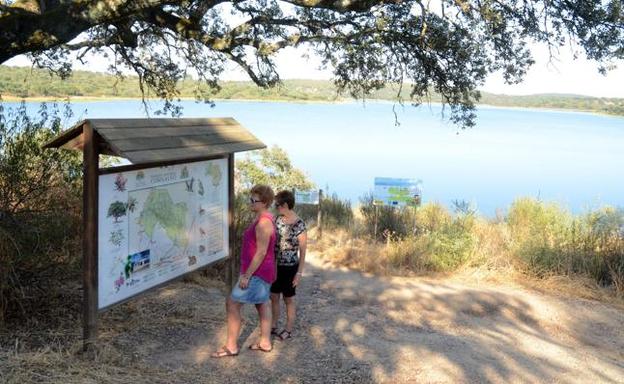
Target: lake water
576, 159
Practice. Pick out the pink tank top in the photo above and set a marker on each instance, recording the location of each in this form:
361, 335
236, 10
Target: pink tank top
266, 271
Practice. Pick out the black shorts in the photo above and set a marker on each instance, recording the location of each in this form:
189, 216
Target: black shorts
284, 282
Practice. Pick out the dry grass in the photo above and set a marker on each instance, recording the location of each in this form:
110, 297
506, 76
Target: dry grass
51, 352
69, 365
340, 248
490, 263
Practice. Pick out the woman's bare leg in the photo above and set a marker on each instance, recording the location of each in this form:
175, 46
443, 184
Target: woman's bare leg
233, 310
275, 309
264, 313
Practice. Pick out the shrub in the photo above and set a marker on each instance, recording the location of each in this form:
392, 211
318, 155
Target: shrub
551, 241
40, 209
537, 231
431, 217
391, 222
441, 245
336, 213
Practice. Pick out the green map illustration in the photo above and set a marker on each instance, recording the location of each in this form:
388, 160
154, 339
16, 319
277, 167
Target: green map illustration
159, 208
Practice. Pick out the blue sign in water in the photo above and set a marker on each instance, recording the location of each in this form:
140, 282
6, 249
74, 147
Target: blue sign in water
397, 192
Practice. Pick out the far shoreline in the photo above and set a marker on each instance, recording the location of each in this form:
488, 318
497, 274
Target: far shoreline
95, 99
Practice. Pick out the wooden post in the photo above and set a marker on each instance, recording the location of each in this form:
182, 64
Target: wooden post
415, 220
319, 215
376, 215
90, 236
231, 269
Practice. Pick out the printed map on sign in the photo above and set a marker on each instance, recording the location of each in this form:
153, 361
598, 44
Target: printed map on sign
156, 224
397, 192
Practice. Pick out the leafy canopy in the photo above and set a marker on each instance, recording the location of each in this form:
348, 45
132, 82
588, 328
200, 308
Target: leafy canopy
444, 46
270, 167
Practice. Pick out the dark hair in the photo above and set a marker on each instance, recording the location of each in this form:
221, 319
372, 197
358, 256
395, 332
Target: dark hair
264, 192
285, 197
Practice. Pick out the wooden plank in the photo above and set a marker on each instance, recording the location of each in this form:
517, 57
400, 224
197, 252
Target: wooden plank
127, 145
101, 124
105, 148
135, 133
319, 215
66, 136
90, 236
217, 124
148, 133
231, 269
138, 157
76, 143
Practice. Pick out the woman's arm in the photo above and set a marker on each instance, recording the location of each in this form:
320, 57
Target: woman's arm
264, 229
303, 246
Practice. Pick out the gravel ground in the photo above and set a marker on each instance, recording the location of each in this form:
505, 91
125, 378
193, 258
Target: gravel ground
352, 328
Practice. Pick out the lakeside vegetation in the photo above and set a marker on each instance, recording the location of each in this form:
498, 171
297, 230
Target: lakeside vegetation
27, 83
533, 241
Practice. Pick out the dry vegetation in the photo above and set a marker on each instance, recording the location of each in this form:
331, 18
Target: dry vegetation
536, 244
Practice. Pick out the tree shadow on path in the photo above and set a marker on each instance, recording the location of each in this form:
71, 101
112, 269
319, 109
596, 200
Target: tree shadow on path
354, 327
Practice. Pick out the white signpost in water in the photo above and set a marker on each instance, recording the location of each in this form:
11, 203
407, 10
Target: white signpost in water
397, 192
393, 192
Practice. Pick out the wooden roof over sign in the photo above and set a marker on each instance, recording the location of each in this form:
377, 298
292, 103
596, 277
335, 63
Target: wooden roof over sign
161, 140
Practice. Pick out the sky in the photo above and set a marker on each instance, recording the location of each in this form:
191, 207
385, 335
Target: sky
562, 75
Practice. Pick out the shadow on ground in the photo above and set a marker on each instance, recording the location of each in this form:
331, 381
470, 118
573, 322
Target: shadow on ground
359, 328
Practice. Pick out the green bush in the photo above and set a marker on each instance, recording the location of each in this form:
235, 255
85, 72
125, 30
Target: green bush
431, 217
441, 243
450, 247
336, 213
271, 167
551, 241
537, 232
40, 206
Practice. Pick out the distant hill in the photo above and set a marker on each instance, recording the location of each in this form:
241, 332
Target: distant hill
21, 82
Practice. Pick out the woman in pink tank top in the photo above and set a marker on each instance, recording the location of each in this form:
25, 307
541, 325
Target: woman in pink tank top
257, 273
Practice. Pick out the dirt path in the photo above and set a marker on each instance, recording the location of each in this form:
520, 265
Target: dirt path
360, 328
353, 328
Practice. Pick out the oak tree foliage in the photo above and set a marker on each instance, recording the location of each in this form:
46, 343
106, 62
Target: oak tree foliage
442, 46
271, 167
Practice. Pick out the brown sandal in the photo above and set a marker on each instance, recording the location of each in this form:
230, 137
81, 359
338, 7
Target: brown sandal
223, 352
257, 347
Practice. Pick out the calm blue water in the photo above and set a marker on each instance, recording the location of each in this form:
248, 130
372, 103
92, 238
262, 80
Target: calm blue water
576, 159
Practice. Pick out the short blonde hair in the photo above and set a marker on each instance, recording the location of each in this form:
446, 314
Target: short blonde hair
264, 192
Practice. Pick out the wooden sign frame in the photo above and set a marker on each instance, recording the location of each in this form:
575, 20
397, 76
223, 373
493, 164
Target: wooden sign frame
91, 144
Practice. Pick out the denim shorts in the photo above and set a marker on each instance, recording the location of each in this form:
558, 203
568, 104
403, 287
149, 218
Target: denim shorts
256, 293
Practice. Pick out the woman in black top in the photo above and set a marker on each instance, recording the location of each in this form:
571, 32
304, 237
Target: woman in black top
290, 250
